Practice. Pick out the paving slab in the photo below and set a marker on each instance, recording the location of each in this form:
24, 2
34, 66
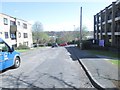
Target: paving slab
102, 71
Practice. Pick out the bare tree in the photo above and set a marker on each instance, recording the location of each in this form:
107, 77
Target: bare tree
36, 29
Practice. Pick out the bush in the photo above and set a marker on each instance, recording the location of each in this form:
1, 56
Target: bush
22, 47
97, 47
49, 44
86, 44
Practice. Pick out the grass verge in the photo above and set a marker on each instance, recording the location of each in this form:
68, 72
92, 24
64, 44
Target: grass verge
25, 50
104, 53
108, 54
22, 50
116, 62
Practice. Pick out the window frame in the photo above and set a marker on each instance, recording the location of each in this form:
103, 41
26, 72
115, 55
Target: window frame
25, 35
5, 20
6, 35
24, 25
18, 22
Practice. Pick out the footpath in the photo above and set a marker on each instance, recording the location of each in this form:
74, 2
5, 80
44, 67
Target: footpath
99, 69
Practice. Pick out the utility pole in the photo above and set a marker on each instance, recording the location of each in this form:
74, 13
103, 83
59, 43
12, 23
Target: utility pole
80, 27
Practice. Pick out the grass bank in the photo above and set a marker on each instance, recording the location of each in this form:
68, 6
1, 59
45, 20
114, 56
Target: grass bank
111, 54
25, 50
104, 53
22, 50
116, 62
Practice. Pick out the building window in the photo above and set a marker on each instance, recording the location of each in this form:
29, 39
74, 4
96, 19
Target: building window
25, 35
24, 26
19, 34
5, 21
12, 22
25, 43
18, 23
6, 35
13, 36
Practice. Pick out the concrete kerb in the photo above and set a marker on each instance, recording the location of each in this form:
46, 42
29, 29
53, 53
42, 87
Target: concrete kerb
95, 83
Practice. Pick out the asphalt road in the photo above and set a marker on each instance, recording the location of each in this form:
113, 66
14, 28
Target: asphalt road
46, 68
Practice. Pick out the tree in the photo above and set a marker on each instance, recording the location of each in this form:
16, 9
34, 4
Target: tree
44, 38
36, 29
68, 36
84, 32
65, 36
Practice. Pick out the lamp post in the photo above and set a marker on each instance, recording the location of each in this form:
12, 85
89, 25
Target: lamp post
80, 27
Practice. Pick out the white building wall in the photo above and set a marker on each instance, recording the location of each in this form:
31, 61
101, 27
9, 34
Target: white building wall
6, 28
20, 33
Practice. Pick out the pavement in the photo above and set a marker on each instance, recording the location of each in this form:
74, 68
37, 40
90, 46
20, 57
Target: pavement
99, 69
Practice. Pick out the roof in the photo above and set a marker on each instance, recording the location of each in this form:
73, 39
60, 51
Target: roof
14, 17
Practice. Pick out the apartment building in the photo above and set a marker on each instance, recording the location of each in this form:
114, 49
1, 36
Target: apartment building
107, 25
15, 31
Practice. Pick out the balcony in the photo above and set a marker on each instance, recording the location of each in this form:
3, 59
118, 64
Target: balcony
117, 18
110, 21
13, 28
117, 33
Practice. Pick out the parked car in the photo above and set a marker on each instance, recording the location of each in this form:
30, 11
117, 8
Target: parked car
8, 56
54, 45
63, 44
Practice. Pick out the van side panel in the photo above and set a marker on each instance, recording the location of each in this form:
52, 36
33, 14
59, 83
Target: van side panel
9, 61
1, 61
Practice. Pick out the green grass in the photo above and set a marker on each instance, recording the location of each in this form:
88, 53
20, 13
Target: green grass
104, 53
116, 62
107, 53
25, 50
22, 50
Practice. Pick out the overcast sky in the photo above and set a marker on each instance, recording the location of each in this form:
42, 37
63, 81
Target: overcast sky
55, 15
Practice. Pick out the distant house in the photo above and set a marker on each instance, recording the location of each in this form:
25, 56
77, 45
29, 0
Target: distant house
15, 31
107, 25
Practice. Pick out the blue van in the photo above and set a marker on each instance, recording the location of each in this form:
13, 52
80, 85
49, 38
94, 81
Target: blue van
8, 56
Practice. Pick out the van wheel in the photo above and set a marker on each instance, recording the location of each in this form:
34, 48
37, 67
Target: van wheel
16, 63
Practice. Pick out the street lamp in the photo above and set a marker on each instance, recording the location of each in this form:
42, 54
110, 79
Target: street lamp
80, 27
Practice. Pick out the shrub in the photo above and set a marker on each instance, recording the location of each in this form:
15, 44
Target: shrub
97, 47
22, 47
86, 44
49, 44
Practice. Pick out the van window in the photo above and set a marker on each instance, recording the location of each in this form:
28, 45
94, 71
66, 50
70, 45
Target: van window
3, 47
